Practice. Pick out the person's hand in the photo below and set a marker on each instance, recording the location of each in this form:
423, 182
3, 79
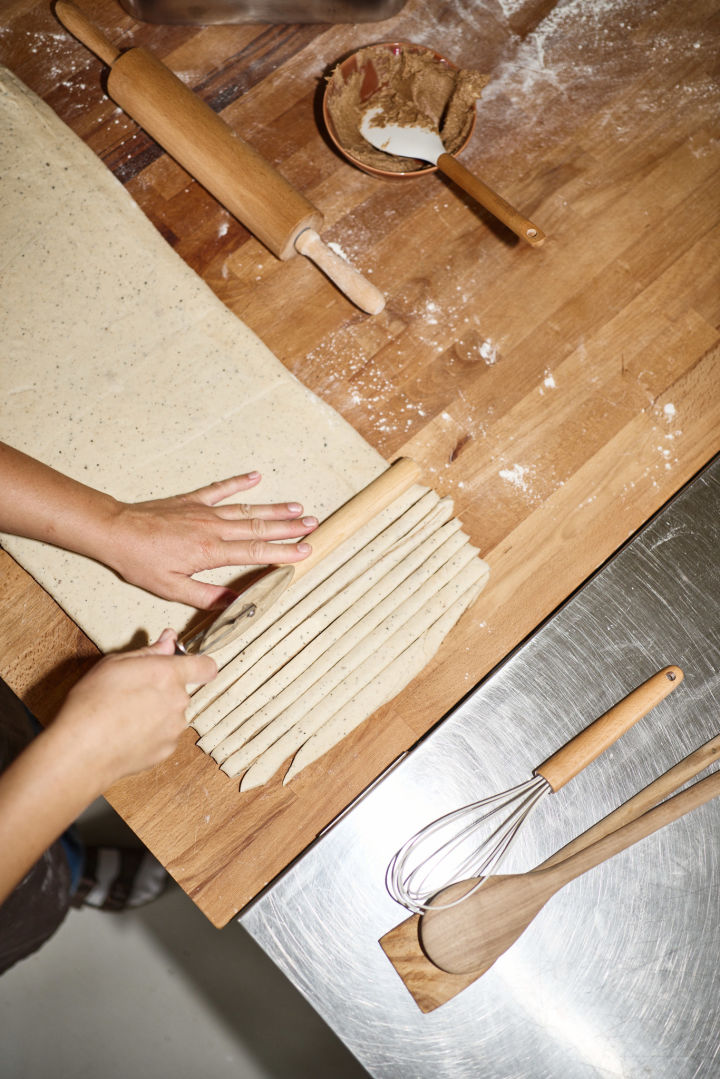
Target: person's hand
128, 713
159, 545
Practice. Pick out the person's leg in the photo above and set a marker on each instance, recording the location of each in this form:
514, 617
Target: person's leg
69, 873
36, 908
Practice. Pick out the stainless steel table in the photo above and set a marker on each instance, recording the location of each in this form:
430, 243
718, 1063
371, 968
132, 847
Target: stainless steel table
618, 975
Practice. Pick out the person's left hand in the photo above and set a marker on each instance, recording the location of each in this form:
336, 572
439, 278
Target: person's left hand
159, 545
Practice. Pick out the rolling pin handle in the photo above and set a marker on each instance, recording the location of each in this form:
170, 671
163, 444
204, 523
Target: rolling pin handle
349, 280
80, 27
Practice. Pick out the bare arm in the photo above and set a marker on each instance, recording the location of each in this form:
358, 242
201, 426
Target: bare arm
157, 545
126, 715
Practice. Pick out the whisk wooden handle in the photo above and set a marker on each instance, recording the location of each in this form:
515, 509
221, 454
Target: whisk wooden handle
596, 738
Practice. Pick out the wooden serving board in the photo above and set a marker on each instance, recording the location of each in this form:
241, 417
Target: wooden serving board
561, 395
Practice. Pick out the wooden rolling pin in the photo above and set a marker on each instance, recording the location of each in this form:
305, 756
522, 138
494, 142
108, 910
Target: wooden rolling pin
237, 175
338, 527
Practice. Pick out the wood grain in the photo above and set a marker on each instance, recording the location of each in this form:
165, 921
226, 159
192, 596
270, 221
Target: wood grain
561, 395
563, 765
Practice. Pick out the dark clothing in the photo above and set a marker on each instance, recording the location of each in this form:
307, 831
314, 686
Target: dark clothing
39, 903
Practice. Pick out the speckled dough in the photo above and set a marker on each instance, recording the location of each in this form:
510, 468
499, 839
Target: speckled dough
329, 648
392, 639
393, 679
123, 369
299, 629
211, 702
407, 602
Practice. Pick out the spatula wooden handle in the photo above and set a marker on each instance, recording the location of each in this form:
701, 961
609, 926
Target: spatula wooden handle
671, 810
378, 494
596, 738
490, 199
645, 799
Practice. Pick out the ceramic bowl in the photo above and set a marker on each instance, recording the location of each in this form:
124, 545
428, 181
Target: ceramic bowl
362, 61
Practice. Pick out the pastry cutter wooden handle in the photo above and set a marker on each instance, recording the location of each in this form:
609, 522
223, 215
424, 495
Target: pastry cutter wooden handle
259, 597
231, 170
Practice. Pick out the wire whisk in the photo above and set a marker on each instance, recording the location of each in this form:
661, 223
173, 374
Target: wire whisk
472, 841
438, 854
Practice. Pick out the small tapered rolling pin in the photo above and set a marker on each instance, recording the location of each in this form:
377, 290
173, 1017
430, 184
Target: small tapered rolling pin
236, 174
339, 526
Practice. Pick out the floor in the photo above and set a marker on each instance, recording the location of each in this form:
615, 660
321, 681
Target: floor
159, 992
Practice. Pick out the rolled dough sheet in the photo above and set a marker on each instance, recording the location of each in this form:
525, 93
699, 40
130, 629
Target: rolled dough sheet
125, 371
122, 368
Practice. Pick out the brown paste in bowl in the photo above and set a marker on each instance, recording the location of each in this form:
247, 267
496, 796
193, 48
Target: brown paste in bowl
412, 86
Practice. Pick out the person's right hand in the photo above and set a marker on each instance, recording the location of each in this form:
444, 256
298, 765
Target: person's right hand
128, 713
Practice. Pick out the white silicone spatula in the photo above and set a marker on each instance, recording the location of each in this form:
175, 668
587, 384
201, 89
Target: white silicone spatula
405, 140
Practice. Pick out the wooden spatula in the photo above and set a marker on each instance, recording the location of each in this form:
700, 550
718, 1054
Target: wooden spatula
432, 987
472, 935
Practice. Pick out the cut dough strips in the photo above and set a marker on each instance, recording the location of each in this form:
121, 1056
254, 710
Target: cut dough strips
345, 647
138, 382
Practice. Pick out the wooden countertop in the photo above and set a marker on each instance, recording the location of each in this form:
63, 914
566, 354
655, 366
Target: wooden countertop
561, 395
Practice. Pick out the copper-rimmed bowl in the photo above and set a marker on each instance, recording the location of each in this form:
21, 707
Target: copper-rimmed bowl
346, 135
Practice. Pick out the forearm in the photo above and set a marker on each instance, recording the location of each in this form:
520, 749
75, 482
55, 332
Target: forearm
126, 715
41, 794
39, 503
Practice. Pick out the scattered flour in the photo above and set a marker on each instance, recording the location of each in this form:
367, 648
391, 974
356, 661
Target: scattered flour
517, 476
432, 312
338, 250
549, 382
489, 352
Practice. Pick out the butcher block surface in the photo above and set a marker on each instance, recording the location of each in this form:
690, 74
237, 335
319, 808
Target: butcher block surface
560, 395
